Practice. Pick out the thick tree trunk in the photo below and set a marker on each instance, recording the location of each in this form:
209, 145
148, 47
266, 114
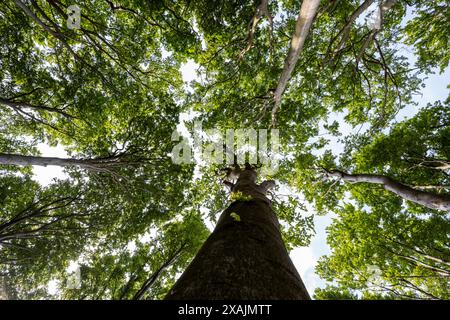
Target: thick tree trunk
427, 199
244, 257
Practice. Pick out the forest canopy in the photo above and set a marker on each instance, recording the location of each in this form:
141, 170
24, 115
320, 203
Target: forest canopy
103, 81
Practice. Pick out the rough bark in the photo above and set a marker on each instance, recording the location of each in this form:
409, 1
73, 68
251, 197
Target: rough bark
304, 22
427, 199
244, 257
20, 160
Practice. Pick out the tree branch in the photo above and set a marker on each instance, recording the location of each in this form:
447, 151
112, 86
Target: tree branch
261, 11
16, 104
427, 199
304, 22
152, 279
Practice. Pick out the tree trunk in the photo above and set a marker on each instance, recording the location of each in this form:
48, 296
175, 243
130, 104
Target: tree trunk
106, 165
304, 21
20, 160
155, 275
427, 199
244, 257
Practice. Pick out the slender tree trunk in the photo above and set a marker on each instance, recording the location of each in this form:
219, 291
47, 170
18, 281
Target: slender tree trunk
244, 257
427, 199
304, 21
99, 164
152, 279
21, 160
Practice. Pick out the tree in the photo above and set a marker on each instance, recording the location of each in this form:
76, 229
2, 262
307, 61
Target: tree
414, 152
388, 251
111, 93
244, 257
402, 239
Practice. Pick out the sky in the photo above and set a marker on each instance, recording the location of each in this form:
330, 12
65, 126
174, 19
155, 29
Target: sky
304, 258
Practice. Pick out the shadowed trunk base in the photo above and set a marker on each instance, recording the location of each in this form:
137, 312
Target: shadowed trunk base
244, 258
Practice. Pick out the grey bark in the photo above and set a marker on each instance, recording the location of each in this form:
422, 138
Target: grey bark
304, 22
20, 160
427, 199
152, 279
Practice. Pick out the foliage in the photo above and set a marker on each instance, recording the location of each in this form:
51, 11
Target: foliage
113, 89
239, 196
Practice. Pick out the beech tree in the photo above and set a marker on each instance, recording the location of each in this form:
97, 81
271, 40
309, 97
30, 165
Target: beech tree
128, 223
245, 247
404, 237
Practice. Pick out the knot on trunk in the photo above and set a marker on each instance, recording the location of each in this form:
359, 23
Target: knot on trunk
243, 186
